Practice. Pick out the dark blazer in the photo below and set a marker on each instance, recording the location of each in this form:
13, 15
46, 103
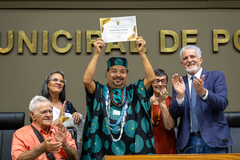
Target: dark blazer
210, 113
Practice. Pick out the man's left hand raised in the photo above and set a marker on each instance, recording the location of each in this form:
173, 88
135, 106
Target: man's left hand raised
61, 135
198, 84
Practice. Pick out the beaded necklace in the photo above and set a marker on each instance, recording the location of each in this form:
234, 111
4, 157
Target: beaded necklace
122, 117
159, 113
123, 98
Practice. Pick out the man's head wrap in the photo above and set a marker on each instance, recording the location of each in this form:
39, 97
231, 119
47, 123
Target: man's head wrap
120, 61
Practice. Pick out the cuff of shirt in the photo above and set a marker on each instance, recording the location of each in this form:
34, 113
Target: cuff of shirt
180, 101
205, 97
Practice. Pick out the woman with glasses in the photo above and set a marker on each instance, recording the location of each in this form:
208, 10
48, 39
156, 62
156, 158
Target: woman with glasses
162, 121
54, 89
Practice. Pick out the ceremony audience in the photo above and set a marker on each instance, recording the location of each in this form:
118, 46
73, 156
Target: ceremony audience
199, 99
162, 121
57, 141
54, 89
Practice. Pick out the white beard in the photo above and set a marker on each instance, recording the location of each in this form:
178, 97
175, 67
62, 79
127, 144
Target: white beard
193, 69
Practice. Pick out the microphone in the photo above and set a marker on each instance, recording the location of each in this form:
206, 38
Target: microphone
223, 140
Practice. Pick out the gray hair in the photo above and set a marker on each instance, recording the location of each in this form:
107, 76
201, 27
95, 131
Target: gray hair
36, 101
45, 91
199, 53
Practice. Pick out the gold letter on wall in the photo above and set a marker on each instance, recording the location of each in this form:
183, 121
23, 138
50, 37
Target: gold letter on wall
10, 43
89, 40
217, 41
186, 40
119, 45
235, 40
173, 34
78, 41
45, 42
54, 41
32, 46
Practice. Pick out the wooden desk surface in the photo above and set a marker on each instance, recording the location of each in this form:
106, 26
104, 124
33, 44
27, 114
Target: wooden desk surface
228, 156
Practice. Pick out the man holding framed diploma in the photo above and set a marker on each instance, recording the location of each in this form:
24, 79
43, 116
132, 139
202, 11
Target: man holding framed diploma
118, 29
118, 120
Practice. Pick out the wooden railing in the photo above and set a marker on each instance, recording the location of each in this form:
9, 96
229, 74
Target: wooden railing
230, 156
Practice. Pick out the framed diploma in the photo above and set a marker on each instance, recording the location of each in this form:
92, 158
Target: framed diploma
118, 29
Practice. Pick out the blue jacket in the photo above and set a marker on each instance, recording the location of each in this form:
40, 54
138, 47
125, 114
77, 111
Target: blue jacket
210, 113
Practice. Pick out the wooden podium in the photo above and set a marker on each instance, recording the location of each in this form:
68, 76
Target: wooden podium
228, 156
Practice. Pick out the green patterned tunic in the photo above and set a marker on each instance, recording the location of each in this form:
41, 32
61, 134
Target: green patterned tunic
137, 137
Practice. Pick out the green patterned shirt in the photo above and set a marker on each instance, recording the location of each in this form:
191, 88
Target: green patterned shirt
137, 137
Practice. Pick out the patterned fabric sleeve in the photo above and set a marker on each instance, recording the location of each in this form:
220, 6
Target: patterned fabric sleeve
70, 108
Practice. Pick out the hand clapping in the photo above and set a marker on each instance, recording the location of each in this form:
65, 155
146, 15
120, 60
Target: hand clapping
61, 135
179, 86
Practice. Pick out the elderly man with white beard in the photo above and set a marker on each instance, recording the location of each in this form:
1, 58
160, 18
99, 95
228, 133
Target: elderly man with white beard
199, 99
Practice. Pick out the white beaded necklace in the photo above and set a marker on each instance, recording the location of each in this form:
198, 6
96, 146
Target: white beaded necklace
122, 116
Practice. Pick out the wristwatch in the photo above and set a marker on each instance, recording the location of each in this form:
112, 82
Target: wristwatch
203, 95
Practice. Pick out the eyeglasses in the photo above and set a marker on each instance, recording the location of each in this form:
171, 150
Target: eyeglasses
163, 81
56, 80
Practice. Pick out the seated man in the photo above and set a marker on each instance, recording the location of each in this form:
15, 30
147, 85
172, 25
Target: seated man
57, 142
